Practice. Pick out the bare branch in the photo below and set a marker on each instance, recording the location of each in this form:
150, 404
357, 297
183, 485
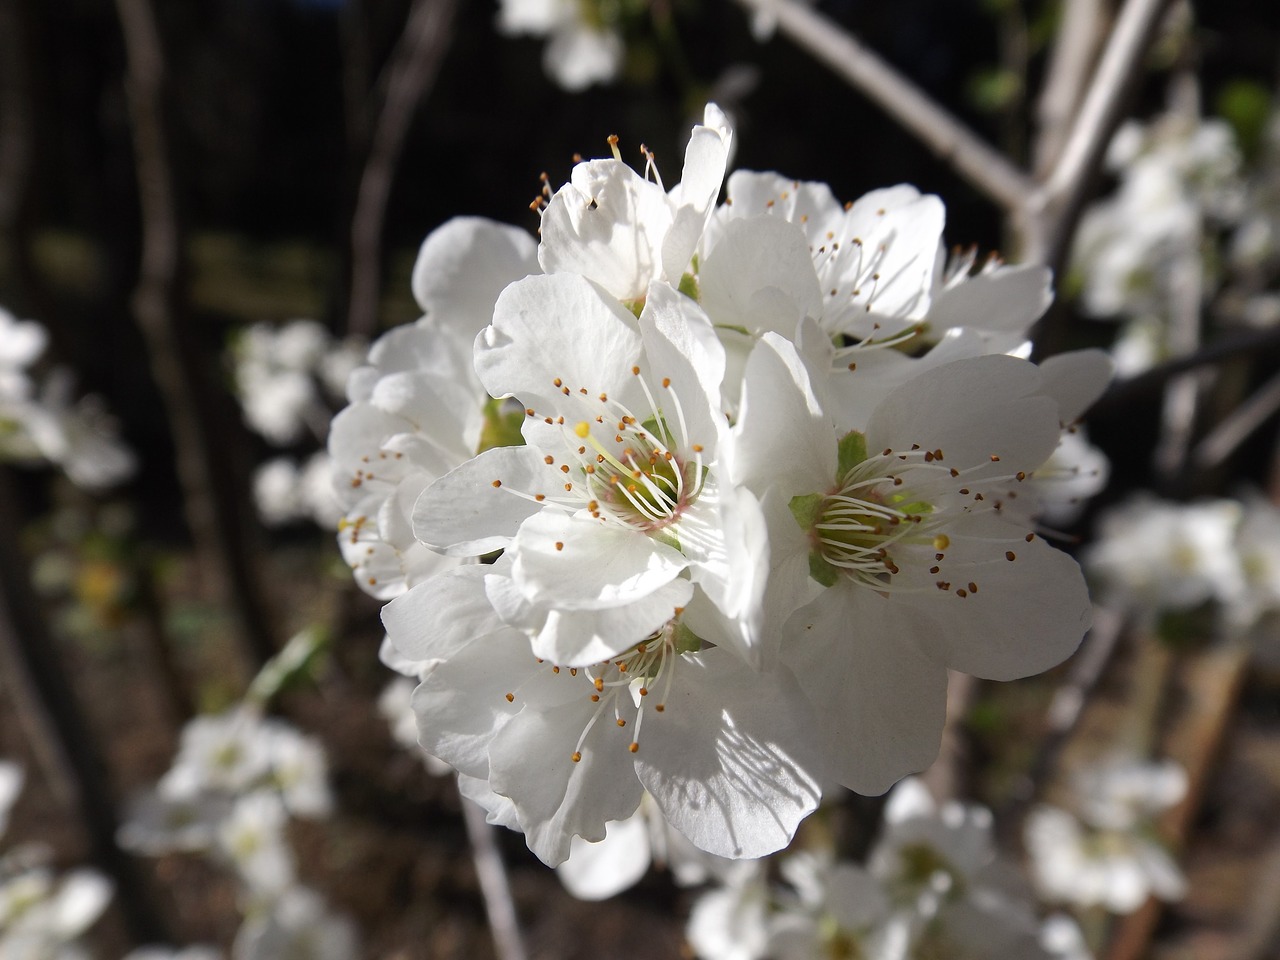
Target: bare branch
1074, 52
413, 68
493, 884
988, 170
211, 498
1052, 211
1238, 426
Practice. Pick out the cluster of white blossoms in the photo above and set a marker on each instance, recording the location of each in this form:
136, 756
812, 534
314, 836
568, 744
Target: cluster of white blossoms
1155, 557
236, 781
40, 421
1107, 851
42, 916
756, 476
931, 887
287, 379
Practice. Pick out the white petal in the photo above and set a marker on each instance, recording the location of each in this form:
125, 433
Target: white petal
462, 703
1027, 615
730, 761
579, 563
972, 410
880, 703
756, 255
597, 871
441, 615
1006, 301
783, 437
556, 799
464, 515
463, 266
680, 345
607, 224
1076, 379
556, 328
579, 638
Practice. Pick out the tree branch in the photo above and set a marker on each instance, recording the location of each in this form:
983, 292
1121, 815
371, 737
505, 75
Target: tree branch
988, 170
413, 69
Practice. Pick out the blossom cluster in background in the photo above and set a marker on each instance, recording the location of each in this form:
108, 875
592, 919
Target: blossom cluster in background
42, 422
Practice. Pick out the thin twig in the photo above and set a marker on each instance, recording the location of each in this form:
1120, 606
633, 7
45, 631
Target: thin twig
413, 68
492, 875
1074, 51
1053, 210
1238, 425
988, 170
213, 503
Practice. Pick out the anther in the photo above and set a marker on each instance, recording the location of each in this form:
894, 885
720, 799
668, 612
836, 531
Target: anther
497, 483
511, 698
634, 746
559, 545
621, 722
1010, 556
577, 757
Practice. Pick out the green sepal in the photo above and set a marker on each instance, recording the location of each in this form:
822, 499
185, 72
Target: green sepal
852, 451
689, 287
686, 640
805, 509
501, 427
821, 570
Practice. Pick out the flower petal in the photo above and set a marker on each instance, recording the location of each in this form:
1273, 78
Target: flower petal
579, 563
730, 761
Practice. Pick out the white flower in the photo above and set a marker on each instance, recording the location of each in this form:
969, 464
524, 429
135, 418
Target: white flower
1116, 870
584, 48
901, 529
299, 926
868, 269
198, 952
21, 344
253, 839
222, 753
620, 486
275, 491
274, 374
299, 770
623, 231
1258, 545
158, 823
1110, 855
1168, 556
723, 749
597, 871
731, 922
11, 778
40, 917
417, 409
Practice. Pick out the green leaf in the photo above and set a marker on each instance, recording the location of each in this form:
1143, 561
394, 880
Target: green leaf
1246, 105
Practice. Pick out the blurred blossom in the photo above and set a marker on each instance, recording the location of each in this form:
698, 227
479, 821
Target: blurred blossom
11, 778
43, 915
286, 375
297, 925
285, 493
584, 46
45, 422
157, 823
1107, 852
1160, 556
175, 953
597, 871
252, 838
932, 887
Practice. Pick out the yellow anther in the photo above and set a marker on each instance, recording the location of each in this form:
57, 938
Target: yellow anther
582, 429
